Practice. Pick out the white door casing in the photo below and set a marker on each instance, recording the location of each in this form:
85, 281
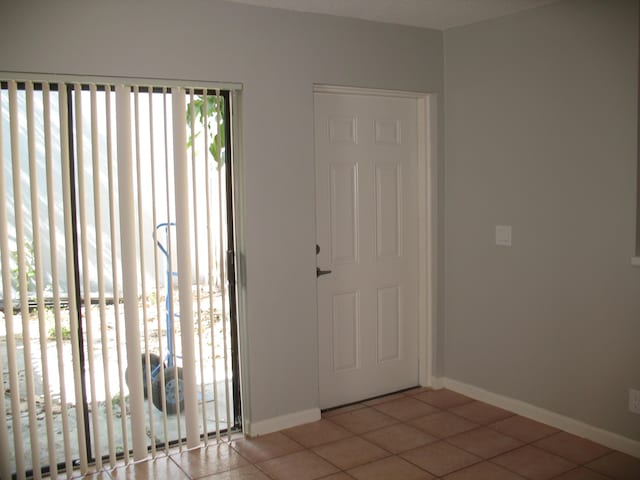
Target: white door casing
366, 149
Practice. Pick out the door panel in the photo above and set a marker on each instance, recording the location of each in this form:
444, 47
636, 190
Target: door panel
344, 213
346, 320
388, 210
366, 201
389, 315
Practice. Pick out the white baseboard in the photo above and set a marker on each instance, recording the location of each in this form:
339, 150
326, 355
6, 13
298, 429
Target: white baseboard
262, 427
568, 424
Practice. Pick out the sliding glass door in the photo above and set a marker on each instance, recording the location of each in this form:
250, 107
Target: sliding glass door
117, 332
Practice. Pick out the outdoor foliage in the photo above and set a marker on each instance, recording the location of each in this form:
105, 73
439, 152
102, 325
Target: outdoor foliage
30, 273
211, 114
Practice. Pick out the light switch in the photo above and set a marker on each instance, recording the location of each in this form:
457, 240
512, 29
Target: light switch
503, 235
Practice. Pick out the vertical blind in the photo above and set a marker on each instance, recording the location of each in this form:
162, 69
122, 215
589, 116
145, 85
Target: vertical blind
115, 333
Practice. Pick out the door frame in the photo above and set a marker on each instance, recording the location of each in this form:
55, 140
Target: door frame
427, 121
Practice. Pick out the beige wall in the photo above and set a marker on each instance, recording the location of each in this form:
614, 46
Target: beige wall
540, 127
278, 56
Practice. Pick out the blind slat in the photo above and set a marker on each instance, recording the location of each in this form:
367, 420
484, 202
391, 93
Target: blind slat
19, 207
55, 287
129, 271
114, 276
183, 234
10, 336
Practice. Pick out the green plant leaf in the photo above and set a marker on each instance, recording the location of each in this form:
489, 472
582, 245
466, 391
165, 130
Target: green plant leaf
209, 111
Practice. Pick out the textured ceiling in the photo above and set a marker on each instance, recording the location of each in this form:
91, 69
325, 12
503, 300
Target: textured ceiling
438, 14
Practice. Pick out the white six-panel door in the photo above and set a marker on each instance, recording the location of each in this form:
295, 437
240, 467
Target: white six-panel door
367, 231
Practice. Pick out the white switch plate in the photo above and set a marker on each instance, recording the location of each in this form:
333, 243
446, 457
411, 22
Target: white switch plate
634, 400
503, 235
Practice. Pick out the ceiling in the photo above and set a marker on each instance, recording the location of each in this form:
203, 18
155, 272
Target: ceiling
438, 14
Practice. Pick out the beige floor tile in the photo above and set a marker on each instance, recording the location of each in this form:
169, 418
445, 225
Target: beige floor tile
533, 463
617, 465
161, 468
209, 460
102, 475
338, 476
399, 438
576, 449
484, 442
350, 452
440, 458
419, 434
249, 472
443, 398
443, 424
303, 465
259, 449
386, 398
524, 429
484, 471
481, 412
406, 408
317, 433
417, 390
339, 411
363, 420
389, 468
581, 474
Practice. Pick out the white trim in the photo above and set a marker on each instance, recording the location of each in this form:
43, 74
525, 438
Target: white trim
568, 424
367, 91
275, 424
130, 81
427, 215
424, 324
427, 237
635, 261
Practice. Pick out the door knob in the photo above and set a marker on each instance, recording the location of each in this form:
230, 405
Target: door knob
321, 272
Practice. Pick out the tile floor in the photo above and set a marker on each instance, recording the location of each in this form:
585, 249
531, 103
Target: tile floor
419, 434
